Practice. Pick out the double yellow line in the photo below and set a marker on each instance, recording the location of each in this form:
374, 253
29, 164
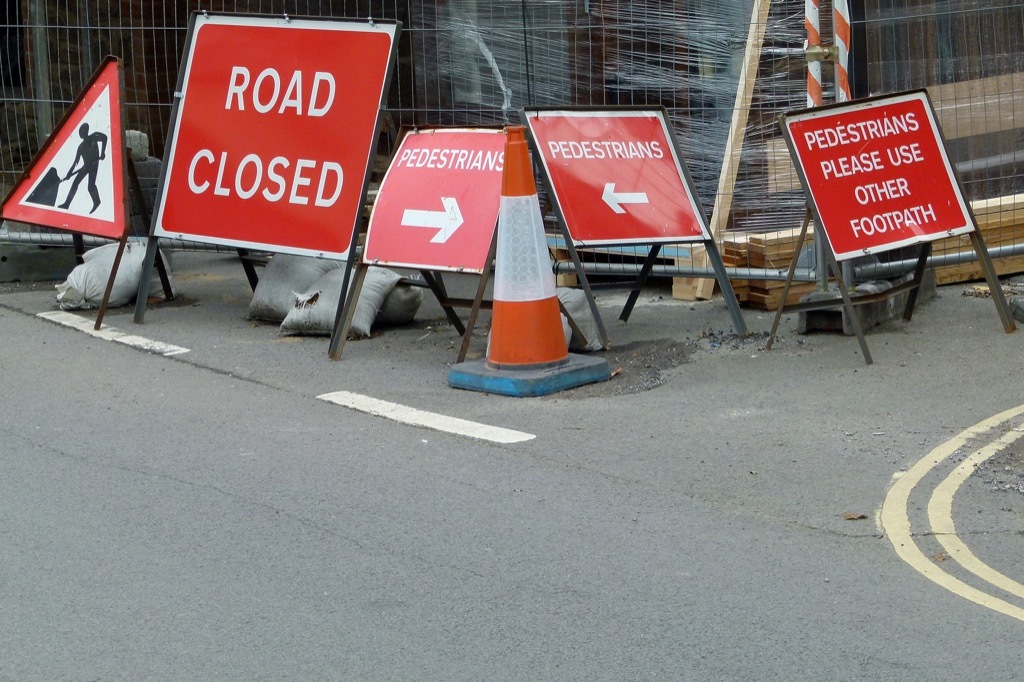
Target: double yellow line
895, 520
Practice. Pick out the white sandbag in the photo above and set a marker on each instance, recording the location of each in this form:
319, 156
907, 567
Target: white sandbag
86, 284
282, 278
400, 306
575, 303
314, 310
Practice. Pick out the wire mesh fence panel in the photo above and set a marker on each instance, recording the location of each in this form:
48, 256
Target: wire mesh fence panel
724, 69
969, 56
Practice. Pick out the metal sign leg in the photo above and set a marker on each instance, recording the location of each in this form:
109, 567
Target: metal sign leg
645, 272
711, 250
848, 303
147, 273
110, 282
346, 311
250, 269
436, 285
585, 284
789, 279
993, 281
922, 263
478, 301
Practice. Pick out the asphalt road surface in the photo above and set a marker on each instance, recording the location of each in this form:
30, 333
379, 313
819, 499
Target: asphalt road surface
714, 512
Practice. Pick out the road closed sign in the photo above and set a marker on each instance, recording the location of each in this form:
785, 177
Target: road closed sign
437, 206
616, 175
877, 174
273, 132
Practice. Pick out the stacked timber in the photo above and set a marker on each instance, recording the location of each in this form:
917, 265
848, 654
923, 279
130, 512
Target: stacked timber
1000, 223
735, 255
775, 251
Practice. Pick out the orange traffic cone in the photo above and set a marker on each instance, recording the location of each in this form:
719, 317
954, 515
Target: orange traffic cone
527, 355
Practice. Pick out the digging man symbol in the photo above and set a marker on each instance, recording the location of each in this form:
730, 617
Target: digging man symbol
91, 150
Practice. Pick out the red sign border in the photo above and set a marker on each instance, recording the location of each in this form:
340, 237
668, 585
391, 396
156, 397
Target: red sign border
263, 20
118, 151
661, 113
383, 183
920, 95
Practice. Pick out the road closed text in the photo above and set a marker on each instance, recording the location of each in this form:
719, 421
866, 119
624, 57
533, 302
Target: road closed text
299, 181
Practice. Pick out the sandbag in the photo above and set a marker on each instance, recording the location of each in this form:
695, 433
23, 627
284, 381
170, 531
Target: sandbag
314, 310
282, 278
86, 284
575, 303
400, 306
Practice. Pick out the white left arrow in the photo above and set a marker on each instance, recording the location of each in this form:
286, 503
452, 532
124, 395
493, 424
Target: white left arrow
446, 222
616, 199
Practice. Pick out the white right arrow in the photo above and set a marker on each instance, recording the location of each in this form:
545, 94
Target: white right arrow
616, 199
447, 221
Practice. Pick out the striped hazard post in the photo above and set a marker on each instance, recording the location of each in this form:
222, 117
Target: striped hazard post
841, 22
812, 21
527, 354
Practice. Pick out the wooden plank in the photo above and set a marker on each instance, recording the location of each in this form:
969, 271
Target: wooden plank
976, 107
968, 272
999, 211
770, 300
1000, 236
564, 279
685, 288
737, 131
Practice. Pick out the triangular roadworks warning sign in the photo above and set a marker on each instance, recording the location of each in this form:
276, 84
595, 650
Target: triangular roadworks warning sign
76, 180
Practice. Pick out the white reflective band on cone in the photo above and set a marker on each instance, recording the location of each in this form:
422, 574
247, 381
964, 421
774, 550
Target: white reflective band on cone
523, 268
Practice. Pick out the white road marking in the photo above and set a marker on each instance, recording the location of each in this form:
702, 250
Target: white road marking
111, 333
896, 520
430, 420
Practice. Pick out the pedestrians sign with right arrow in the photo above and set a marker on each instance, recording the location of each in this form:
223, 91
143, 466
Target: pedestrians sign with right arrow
436, 211
437, 205
446, 221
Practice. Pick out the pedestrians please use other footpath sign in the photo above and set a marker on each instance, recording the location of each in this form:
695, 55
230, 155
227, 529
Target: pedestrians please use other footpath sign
877, 174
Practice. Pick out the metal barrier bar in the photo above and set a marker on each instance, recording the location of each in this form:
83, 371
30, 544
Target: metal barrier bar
862, 273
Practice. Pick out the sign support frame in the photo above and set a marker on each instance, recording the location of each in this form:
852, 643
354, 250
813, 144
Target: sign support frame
845, 299
391, 213
432, 280
913, 285
708, 241
129, 184
152, 250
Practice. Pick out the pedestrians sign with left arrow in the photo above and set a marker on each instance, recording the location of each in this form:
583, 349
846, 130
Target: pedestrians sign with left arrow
616, 175
437, 205
616, 178
615, 200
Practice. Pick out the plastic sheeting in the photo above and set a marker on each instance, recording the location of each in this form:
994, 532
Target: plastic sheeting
476, 62
488, 59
